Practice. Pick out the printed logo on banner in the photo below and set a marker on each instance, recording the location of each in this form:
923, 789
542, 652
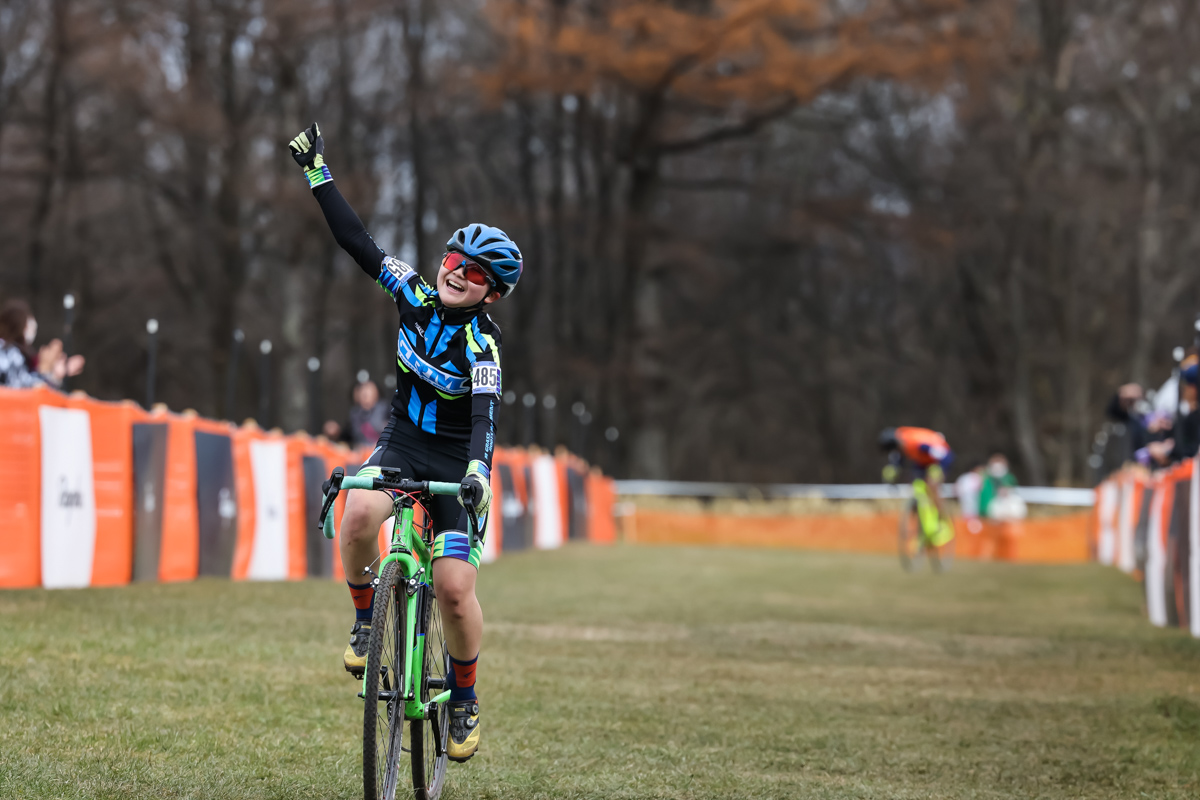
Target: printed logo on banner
68, 498
226, 505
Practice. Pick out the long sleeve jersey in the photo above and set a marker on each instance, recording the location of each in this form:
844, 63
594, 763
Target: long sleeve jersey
447, 359
14, 372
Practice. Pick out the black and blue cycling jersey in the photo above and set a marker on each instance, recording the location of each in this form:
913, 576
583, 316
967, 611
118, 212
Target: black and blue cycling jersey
447, 359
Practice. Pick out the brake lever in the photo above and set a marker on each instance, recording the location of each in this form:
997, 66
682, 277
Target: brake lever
469, 504
335, 486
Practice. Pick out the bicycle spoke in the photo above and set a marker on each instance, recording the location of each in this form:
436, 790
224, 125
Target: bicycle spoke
428, 735
383, 703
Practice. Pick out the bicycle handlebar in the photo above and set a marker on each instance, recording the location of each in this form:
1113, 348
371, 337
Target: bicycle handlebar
339, 480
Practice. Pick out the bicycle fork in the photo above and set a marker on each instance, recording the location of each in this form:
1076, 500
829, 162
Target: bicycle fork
405, 685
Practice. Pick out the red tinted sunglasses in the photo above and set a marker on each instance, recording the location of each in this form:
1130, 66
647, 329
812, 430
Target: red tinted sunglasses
474, 272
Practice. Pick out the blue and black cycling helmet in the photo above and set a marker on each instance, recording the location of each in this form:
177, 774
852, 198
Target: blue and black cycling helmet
493, 250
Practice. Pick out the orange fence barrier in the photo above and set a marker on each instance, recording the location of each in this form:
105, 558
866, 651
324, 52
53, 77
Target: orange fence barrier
101, 494
1052, 540
1148, 525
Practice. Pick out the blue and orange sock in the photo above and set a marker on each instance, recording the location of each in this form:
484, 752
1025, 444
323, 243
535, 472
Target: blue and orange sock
363, 595
462, 679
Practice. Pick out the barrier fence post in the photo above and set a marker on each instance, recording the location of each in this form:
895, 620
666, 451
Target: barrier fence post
580, 430
314, 395
235, 350
528, 434
611, 434
68, 332
264, 384
550, 404
151, 359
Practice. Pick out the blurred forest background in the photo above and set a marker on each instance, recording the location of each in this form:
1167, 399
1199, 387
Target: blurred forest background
756, 231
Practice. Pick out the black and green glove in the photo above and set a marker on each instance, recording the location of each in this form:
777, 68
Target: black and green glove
309, 151
477, 485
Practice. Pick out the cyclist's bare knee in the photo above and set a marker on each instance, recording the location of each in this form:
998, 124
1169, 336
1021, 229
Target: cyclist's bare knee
365, 512
454, 582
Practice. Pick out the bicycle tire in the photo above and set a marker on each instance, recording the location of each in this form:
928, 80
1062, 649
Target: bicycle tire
383, 734
428, 737
910, 540
942, 558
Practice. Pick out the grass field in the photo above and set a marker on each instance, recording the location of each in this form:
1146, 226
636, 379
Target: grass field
626, 672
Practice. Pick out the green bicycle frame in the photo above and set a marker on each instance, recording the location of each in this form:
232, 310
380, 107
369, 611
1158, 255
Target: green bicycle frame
416, 572
934, 529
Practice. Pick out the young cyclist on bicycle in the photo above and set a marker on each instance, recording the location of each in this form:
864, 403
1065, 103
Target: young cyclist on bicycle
442, 425
929, 454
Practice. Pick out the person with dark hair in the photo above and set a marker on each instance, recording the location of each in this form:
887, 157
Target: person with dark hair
21, 367
369, 415
1180, 440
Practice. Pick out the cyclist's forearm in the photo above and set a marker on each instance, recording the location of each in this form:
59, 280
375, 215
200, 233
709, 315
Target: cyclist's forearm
484, 408
348, 230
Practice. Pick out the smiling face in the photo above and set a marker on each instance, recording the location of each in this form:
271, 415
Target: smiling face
458, 292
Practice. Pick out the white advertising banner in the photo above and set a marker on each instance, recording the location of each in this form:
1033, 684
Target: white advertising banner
269, 555
547, 509
1107, 496
491, 548
1194, 551
1126, 522
68, 498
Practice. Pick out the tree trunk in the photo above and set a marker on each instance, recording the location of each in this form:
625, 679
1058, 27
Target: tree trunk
50, 151
1024, 426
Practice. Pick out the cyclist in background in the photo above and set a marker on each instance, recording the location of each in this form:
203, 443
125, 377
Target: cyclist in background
442, 424
928, 454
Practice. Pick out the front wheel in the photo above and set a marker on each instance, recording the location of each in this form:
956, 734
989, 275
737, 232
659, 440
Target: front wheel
941, 558
428, 736
911, 542
383, 701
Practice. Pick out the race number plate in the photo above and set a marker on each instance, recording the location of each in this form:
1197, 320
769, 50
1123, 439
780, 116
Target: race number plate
485, 378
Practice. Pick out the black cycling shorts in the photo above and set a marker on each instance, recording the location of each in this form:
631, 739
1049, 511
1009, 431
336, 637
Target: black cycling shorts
421, 456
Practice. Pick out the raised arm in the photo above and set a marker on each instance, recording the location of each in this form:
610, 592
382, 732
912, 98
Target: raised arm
308, 149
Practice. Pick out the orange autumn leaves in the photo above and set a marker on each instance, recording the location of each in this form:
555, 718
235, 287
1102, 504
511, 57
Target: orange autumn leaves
737, 52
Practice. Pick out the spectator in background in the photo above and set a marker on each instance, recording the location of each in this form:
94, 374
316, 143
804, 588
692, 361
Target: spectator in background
1187, 432
997, 481
967, 488
1184, 435
368, 416
332, 430
1160, 439
1127, 408
1122, 406
21, 366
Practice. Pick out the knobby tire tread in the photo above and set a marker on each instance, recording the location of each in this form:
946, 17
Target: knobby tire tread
428, 787
908, 529
385, 594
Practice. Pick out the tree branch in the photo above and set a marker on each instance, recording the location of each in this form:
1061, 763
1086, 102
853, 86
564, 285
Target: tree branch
746, 127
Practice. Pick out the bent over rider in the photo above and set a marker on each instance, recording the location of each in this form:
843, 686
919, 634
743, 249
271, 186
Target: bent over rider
926, 451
